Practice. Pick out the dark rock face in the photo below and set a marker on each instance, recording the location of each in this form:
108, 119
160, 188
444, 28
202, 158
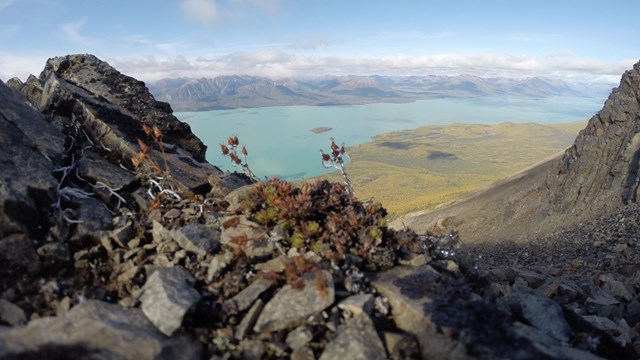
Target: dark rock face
106, 83
602, 168
30, 147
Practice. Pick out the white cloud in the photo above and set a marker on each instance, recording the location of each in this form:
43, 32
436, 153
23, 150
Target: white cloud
71, 31
279, 64
205, 11
5, 3
21, 66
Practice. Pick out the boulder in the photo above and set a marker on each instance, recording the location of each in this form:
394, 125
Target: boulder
95, 327
357, 339
166, 298
290, 307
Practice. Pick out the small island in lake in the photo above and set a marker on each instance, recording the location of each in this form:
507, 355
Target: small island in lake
321, 129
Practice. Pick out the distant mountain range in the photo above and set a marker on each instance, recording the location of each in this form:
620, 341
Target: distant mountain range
243, 91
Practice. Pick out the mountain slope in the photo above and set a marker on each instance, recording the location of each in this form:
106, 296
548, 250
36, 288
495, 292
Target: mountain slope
597, 175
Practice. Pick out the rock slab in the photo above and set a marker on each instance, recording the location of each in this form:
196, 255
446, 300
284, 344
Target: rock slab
166, 298
95, 328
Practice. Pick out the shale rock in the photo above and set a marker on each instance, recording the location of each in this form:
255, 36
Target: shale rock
30, 144
355, 340
167, 296
290, 307
95, 327
112, 108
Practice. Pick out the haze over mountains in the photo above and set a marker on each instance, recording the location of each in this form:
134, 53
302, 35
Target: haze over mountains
244, 91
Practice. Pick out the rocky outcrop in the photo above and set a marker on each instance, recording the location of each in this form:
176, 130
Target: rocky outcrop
601, 169
109, 86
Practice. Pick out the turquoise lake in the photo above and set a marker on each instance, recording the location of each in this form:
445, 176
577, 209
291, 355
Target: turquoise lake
280, 141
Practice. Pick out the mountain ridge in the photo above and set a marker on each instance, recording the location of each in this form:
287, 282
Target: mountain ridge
245, 91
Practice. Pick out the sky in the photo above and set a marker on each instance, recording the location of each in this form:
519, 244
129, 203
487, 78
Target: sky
587, 40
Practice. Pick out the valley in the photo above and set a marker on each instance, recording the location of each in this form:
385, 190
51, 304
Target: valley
420, 169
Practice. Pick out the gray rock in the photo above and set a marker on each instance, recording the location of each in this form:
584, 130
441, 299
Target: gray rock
632, 313
561, 290
232, 186
619, 331
15, 84
30, 144
549, 347
401, 346
159, 233
273, 265
303, 353
96, 327
32, 89
102, 173
290, 307
248, 236
166, 298
249, 320
532, 278
218, 263
94, 216
11, 313
615, 287
357, 304
104, 82
357, 339
601, 303
409, 314
543, 314
248, 295
196, 238
299, 337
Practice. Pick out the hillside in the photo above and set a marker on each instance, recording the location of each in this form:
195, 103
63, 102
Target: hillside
243, 91
595, 176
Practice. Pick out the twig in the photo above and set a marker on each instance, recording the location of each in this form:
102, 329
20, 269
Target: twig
112, 192
337, 160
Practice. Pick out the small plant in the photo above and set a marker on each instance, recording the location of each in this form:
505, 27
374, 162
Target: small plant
336, 159
320, 217
143, 159
232, 152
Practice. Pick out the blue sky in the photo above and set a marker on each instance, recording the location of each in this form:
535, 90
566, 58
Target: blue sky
592, 41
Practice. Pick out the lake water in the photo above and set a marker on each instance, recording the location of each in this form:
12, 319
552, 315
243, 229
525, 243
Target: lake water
280, 141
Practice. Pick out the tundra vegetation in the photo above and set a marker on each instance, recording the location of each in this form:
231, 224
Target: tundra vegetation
419, 169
